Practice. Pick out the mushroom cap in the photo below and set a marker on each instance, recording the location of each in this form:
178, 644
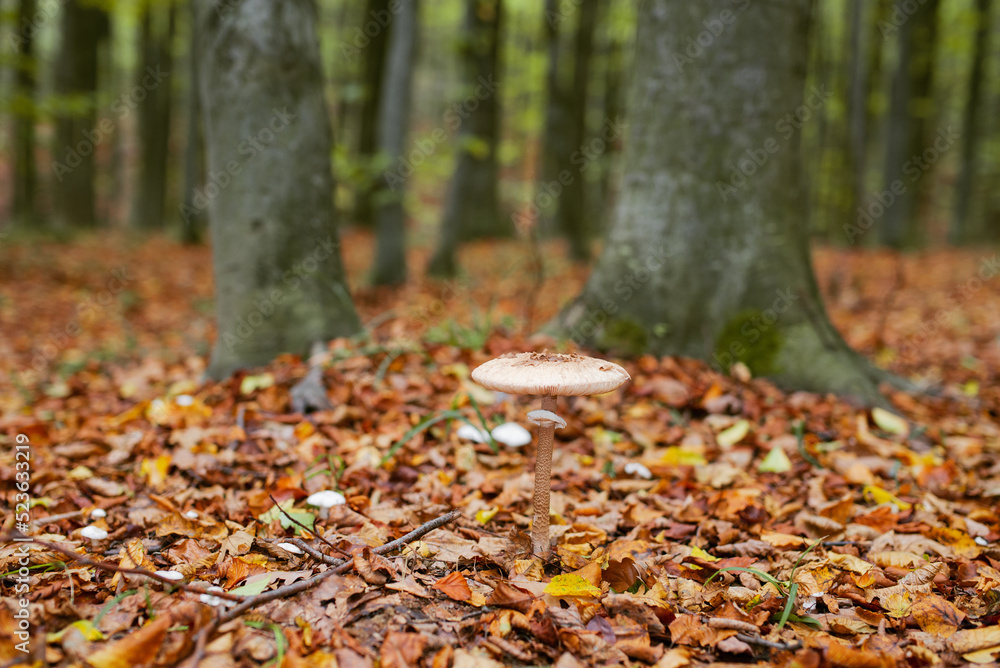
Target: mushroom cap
93, 533
511, 434
326, 499
550, 374
98, 513
290, 547
170, 575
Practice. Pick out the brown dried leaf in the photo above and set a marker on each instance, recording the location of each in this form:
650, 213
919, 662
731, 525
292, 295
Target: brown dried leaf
937, 616
454, 586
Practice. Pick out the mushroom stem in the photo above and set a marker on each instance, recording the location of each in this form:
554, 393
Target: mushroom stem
543, 482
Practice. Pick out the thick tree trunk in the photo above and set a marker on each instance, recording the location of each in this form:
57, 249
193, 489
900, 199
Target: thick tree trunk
373, 71
77, 136
961, 230
572, 211
279, 279
909, 115
25, 174
472, 207
193, 217
149, 205
393, 123
708, 253
555, 142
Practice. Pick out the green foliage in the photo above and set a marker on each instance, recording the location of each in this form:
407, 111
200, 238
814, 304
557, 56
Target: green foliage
748, 339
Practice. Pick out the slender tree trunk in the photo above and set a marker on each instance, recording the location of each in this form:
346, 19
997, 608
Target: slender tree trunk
393, 123
373, 71
909, 114
25, 174
77, 136
149, 205
708, 255
472, 207
279, 279
572, 212
961, 230
614, 73
555, 142
858, 100
192, 215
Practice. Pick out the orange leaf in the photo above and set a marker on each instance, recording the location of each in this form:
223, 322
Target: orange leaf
454, 586
136, 648
937, 616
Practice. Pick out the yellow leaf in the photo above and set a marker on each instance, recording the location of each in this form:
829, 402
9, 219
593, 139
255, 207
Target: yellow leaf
683, 456
975, 639
702, 554
878, 496
250, 384
890, 422
937, 616
155, 471
733, 435
84, 626
849, 562
571, 584
988, 655
775, 462
897, 604
486, 514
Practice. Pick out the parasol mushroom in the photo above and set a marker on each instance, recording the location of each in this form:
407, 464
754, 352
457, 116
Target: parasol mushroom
549, 375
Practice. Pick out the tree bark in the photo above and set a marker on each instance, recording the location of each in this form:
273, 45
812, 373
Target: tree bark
25, 174
708, 252
373, 71
572, 211
193, 217
77, 138
393, 122
858, 101
472, 208
961, 230
910, 111
149, 206
279, 279
555, 142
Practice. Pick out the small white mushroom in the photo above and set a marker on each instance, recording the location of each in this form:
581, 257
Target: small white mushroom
98, 513
184, 400
191, 514
635, 468
474, 434
211, 600
170, 575
325, 500
543, 418
511, 434
289, 547
93, 534
981, 541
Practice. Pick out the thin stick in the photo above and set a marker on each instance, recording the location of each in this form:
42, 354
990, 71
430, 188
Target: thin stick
303, 526
115, 568
314, 553
303, 585
756, 640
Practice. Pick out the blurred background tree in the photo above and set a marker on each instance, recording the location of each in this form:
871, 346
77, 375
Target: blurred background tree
103, 121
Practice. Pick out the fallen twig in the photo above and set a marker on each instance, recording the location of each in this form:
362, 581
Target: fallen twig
303, 585
302, 544
115, 568
757, 640
314, 553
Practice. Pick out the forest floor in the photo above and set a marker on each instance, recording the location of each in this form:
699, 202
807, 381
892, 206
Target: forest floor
697, 518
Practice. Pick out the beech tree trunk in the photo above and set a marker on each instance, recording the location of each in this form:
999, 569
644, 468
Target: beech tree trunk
25, 174
708, 253
393, 122
193, 218
472, 207
373, 71
279, 279
149, 205
78, 136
